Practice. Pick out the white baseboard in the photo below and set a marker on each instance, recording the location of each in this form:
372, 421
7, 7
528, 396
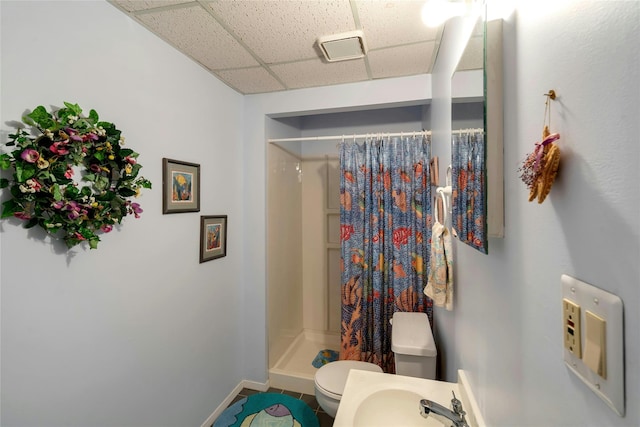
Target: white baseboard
227, 401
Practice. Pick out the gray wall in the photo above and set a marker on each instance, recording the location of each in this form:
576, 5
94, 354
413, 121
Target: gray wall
506, 330
137, 332
157, 345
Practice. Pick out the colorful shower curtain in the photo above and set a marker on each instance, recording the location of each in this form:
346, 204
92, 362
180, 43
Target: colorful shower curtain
385, 220
468, 174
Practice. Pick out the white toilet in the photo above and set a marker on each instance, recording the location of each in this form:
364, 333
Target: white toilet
413, 345
415, 356
331, 378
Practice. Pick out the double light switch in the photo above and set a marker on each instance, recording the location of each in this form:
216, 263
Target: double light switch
595, 349
593, 339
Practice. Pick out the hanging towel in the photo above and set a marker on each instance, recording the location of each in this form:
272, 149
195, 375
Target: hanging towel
440, 281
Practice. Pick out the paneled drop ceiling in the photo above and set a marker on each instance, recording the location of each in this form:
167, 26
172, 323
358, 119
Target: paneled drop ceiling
258, 46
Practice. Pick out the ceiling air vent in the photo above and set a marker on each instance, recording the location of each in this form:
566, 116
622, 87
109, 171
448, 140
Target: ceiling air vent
342, 47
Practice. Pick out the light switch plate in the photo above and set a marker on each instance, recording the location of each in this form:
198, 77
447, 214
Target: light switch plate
609, 308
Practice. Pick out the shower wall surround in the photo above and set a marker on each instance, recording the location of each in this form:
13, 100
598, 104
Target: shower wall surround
284, 240
321, 245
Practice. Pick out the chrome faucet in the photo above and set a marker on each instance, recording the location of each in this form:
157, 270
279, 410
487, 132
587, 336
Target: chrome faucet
446, 416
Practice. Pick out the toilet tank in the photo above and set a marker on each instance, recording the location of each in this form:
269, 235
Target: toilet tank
413, 345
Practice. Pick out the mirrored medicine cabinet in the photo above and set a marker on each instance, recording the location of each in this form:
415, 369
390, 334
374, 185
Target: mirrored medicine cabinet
477, 201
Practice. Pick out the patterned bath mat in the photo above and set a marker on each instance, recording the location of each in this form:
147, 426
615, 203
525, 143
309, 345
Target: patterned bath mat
268, 410
325, 356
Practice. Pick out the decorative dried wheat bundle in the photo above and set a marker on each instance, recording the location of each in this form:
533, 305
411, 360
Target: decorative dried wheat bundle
540, 168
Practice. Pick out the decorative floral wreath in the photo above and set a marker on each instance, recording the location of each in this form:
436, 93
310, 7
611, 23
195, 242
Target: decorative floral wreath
44, 192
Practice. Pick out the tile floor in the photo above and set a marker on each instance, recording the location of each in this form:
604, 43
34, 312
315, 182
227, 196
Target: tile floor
324, 419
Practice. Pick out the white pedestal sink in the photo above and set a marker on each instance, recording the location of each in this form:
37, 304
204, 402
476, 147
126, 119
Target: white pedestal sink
372, 399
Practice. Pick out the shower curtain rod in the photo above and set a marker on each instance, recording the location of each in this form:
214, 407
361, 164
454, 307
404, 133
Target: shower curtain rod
352, 136
363, 135
468, 130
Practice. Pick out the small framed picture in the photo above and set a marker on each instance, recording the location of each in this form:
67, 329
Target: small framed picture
180, 186
213, 237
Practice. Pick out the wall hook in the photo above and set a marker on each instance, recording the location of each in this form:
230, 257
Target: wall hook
551, 94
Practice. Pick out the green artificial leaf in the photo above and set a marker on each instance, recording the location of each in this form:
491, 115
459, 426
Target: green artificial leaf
9, 208
63, 115
31, 223
109, 195
110, 128
41, 117
93, 243
15, 191
91, 177
50, 225
18, 167
93, 116
101, 183
23, 141
126, 152
5, 161
24, 171
71, 192
134, 170
144, 183
74, 108
71, 241
126, 192
55, 191
85, 192
58, 170
27, 120
99, 155
4, 182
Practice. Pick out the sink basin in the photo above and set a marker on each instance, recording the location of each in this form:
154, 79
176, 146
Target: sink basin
372, 399
389, 408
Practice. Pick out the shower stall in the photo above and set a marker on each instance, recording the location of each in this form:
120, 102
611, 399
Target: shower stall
303, 249
303, 234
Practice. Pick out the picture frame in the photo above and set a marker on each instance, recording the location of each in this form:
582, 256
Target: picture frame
213, 237
180, 186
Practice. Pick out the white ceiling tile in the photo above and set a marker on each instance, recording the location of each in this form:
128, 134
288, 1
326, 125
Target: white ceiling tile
250, 80
315, 72
283, 31
401, 61
391, 23
283, 35
194, 31
135, 5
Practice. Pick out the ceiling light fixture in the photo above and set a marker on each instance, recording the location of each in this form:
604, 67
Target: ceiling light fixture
344, 46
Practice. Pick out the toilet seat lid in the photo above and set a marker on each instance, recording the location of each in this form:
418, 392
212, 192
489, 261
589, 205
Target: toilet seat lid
332, 377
